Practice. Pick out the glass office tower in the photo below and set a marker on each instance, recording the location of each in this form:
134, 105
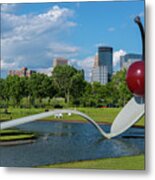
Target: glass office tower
105, 55
128, 59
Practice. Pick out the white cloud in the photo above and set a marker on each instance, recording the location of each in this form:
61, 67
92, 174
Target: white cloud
30, 26
86, 64
27, 40
55, 13
8, 7
117, 55
47, 71
62, 48
7, 66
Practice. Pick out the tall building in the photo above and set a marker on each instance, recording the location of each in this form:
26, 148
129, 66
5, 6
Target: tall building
96, 62
60, 61
128, 59
100, 74
24, 72
102, 69
105, 56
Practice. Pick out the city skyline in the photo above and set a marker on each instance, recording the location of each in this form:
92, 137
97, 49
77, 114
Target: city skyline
34, 34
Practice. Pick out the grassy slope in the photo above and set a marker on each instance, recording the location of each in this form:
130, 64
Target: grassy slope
16, 137
18, 112
15, 134
123, 163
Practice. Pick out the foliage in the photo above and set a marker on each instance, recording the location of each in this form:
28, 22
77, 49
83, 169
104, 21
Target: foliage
66, 82
40, 86
120, 91
15, 89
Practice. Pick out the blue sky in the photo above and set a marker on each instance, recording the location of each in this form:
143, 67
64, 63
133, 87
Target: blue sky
34, 34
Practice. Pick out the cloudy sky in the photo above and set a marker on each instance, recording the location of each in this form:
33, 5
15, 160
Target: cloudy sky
33, 35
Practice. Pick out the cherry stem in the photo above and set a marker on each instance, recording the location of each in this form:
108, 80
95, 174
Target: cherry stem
138, 21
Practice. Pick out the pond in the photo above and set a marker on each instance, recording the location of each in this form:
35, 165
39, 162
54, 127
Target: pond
65, 142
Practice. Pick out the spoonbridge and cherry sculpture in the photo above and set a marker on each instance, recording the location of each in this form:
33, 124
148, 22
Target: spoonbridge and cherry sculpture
128, 116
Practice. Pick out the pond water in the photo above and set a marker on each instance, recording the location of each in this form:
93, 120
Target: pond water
64, 142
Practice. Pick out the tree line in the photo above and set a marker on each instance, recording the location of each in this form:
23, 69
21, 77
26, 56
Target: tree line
67, 84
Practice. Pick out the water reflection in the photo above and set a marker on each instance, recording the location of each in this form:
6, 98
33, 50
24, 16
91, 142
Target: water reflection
64, 142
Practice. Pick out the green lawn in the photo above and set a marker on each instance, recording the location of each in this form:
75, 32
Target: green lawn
16, 137
15, 134
123, 163
9, 131
106, 115
18, 112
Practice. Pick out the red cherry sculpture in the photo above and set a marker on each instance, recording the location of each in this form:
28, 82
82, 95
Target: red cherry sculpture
135, 78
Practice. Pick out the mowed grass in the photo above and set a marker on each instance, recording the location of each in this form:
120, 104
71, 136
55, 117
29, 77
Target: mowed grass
15, 134
100, 115
16, 137
19, 112
9, 131
122, 163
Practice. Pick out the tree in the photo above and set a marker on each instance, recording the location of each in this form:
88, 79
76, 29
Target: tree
15, 89
48, 87
4, 97
120, 93
2, 89
111, 94
40, 86
62, 76
92, 95
77, 87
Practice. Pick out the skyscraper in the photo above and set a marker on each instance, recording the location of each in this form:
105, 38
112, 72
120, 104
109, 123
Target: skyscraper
100, 74
102, 69
128, 59
105, 55
96, 62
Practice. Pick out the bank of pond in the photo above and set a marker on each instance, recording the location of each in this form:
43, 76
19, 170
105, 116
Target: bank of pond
15, 137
